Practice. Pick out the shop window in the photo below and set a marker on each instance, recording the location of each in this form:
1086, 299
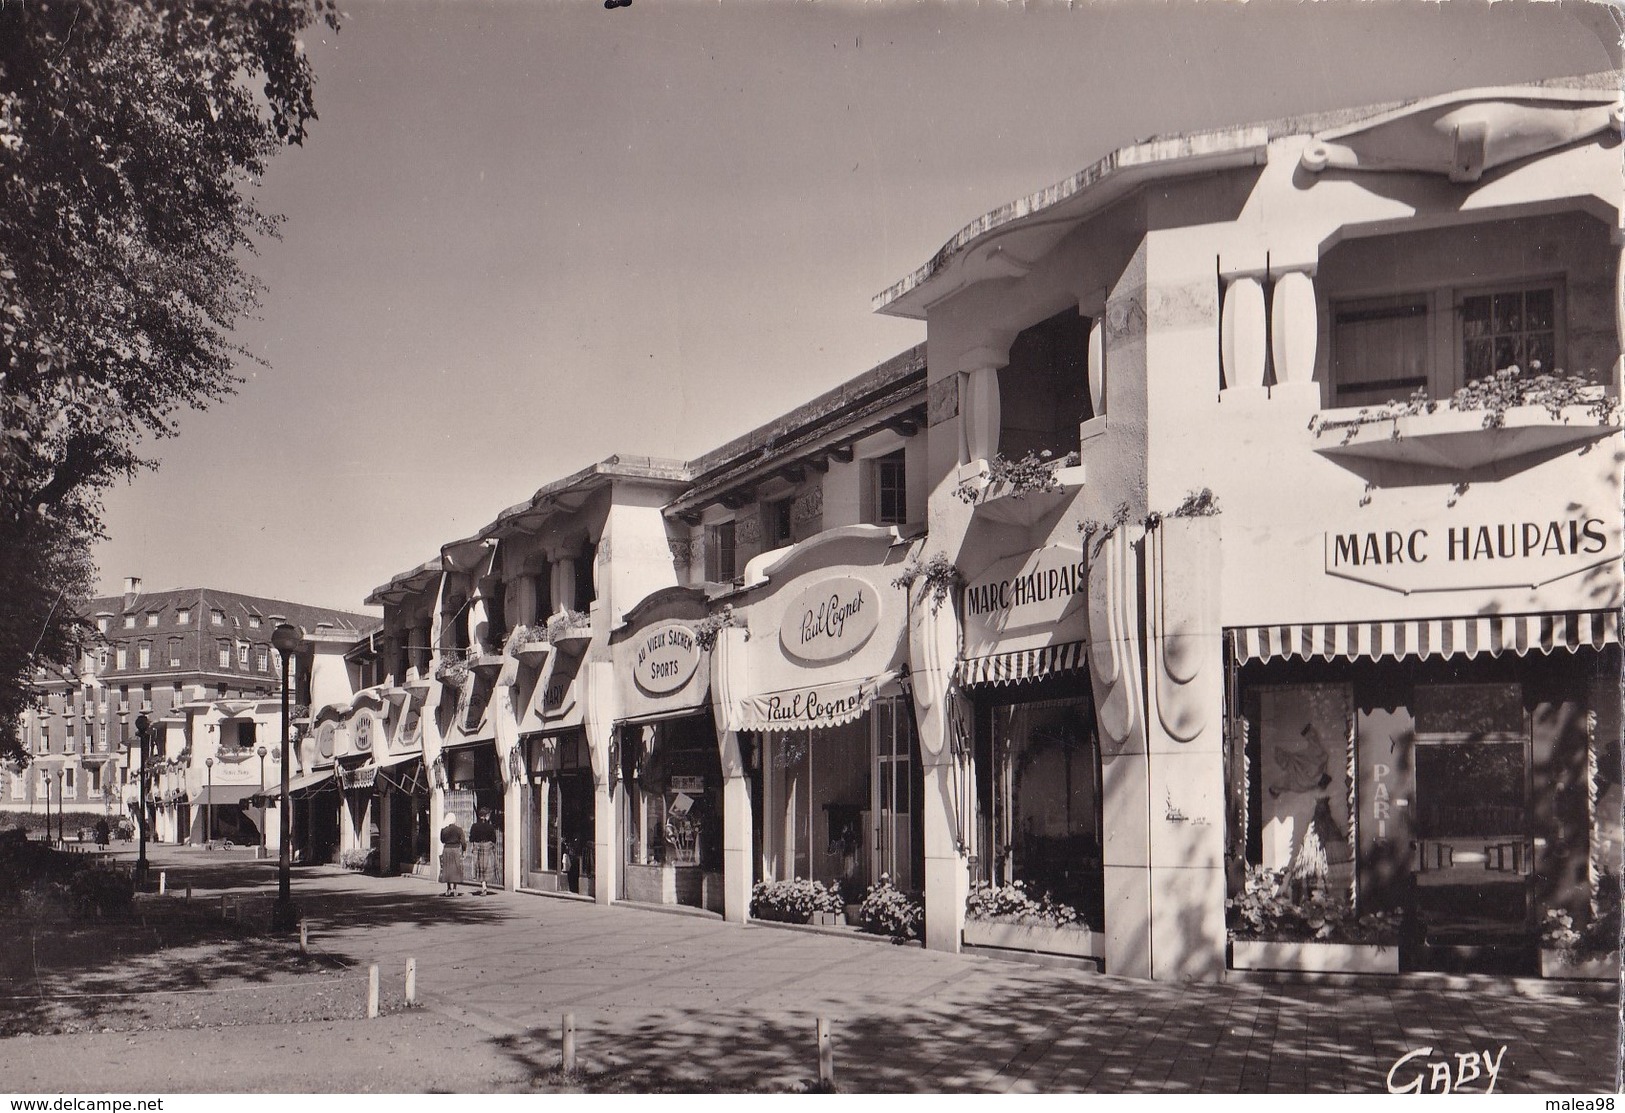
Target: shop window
1038, 797
776, 523
886, 494
1469, 710
1044, 388
720, 552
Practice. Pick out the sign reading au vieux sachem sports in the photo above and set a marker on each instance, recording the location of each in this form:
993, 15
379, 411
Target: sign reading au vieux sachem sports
831, 619
1041, 589
667, 658
1515, 551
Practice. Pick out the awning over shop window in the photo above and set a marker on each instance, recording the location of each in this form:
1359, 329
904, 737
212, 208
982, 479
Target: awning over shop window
817, 705
408, 777
310, 784
226, 794
361, 778
1022, 664
1429, 637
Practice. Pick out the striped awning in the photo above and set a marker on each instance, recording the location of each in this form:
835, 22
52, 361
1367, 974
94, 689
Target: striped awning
1427, 637
1022, 664
364, 777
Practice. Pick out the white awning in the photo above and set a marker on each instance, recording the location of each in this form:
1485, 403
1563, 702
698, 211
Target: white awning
1427, 637
1022, 664
817, 705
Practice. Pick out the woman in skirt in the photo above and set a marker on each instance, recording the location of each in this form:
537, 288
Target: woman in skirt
483, 837
452, 844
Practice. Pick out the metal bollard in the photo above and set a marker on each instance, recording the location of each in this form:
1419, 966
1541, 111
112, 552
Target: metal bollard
411, 982
163, 882
567, 1048
372, 992
188, 892
222, 906
826, 1056
304, 939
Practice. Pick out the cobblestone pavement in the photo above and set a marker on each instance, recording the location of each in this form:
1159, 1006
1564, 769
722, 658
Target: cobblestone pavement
669, 1000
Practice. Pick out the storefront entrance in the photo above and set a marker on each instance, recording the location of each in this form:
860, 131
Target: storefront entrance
558, 820
1038, 799
671, 813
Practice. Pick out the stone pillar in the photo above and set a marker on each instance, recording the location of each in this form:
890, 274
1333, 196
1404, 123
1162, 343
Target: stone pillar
978, 414
738, 850
1185, 744
564, 584
597, 679
933, 651
1115, 675
513, 833
1097, 367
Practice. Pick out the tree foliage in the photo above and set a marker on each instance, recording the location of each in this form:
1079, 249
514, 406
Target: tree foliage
131, 137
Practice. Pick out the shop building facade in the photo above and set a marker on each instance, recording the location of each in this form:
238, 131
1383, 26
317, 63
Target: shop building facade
1271, 609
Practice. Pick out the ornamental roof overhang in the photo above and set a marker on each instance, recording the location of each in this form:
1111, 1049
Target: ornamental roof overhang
567, 496
1008, 241
415, 582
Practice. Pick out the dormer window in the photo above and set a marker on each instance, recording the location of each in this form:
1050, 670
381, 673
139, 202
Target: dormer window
152, 618
217, 618
183, 617
253, 622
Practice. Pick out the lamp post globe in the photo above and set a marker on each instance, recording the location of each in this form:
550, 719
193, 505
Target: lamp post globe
284, 913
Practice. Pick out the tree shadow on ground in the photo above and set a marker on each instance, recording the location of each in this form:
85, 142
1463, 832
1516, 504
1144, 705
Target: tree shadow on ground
1037, 1033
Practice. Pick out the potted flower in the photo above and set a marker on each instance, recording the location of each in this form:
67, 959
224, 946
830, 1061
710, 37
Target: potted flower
707, 628
1589, 951
452, 671
1008, 916
1282, 923
530, 644
887, 910
796, 901
937, 575
569, 630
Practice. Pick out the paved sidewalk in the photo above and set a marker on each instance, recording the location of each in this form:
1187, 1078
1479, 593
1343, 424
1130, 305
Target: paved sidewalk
667, 1000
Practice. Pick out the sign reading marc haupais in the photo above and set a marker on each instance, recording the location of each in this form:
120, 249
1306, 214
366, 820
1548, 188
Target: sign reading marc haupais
830, 619
1447, 556
667, 658
1040, 588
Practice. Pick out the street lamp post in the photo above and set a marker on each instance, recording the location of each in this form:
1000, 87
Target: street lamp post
208, 809
61, 834
284, 914
143, 726
262, 752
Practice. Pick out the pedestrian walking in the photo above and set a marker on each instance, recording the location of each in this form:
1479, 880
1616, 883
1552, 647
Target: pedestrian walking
483, 837
452, 844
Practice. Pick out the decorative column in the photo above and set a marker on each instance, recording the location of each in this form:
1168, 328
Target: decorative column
1294, 336
598, 692
1242, 338
978, 414
1097, 366
728, 675
563, 583
933, 643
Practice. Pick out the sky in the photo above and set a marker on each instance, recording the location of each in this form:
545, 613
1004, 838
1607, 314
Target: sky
523, 237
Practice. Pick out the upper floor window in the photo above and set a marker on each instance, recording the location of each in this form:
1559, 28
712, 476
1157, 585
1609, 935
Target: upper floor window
217, 618
586, 592
144, 655
152, 618
224, 655
242, 654
101, 625
263, 662
183, 617
1503, 328
776, 523
1044, 387
174, 653
129, 622
887, 494
253, 622
720, 553
121, 658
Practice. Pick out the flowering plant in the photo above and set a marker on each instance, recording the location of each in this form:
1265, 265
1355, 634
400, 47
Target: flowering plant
1034, 473
451, 670
1272, 906
887, 910
526, 635
1598, 937
707, 628
1012, 904
567, 623
795, 900
938, 573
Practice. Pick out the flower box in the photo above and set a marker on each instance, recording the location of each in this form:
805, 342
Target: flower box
1555, 964
1077, 941
1314, 956
533, 653
574, 640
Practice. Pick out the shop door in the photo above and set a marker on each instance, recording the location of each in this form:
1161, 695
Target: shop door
894, 801
1472, 855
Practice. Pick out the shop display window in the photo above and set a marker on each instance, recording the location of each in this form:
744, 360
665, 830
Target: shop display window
1038, 801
